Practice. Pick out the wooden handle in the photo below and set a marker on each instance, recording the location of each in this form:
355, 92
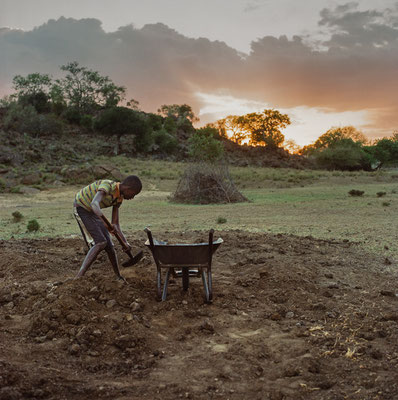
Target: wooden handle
112, 230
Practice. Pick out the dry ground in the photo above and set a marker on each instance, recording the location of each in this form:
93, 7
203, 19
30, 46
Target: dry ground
292, 318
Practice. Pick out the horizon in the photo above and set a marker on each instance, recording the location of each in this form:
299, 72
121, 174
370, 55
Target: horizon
344, 73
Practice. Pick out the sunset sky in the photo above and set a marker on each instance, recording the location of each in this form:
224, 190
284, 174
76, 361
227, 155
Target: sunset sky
325, 63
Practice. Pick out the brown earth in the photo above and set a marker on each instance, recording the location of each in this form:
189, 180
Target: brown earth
292, 318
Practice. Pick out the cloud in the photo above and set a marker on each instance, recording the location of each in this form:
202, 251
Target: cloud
355, 68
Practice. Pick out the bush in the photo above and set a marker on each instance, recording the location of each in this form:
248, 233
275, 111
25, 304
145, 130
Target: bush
27, 120
33, 226
86, 121
17, 216
221, 220
356, 193
2, 185
165, 141
72, 115
204, 147
386, 203
381, 194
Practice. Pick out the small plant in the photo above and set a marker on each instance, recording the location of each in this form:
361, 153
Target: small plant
17, 216
2, 185
386, 203
221, 220
15, 189
354, 192
381, 194
33, 226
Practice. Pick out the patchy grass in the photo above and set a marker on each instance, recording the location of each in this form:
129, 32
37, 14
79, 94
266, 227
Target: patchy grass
318, 206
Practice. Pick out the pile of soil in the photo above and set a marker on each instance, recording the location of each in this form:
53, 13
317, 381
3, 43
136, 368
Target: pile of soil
292, 318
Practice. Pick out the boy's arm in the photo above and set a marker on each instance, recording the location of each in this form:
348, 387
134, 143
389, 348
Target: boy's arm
95, 204
116, 224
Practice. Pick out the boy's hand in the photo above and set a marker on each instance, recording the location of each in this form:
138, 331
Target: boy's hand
127, 246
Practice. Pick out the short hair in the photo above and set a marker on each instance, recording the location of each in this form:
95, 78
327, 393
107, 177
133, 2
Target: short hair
133, 182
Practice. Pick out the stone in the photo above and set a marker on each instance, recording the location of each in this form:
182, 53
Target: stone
28, 190
74, 349
110, 303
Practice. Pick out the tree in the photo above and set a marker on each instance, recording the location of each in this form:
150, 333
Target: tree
261, 129
344, 154
386, 150
121, 121
333, 136
33, 90
231, 128
203, 145
182, 115
87, 90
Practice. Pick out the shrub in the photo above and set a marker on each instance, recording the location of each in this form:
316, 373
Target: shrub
165, 141
27, 120
221, 220
381, 194
354, 192
33, 226
2, 185
386, 203
204, 147
86, 121
17, 216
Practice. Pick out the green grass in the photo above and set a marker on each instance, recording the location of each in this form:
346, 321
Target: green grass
313, 203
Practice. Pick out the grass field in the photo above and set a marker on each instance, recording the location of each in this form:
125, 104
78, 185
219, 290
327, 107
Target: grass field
297, 202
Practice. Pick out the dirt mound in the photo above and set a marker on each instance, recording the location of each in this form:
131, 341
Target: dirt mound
292, 318
207, 184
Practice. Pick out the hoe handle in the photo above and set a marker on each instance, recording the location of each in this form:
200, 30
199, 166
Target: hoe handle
118, 237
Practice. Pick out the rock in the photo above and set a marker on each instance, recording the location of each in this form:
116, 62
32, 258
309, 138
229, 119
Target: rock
28, 190
110, 303
73, 318
97, 333
124, 341
329, 275
207, 326
289, 314
388, 293
184, 302
74, 349
31, 179
135, 306
333, 285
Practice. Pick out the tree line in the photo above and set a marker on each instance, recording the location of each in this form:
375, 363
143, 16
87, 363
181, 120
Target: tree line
83, 97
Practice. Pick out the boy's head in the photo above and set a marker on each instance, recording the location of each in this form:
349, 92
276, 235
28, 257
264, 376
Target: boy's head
130, 187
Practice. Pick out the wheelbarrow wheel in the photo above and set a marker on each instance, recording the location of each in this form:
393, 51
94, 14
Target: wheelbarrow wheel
185, 278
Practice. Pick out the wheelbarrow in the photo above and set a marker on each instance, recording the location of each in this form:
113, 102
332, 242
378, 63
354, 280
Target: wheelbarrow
185, 261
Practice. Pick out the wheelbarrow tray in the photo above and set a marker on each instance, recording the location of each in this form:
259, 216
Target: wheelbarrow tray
192, 259
181, 254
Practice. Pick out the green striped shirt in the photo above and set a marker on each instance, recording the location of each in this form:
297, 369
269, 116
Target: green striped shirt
112, 194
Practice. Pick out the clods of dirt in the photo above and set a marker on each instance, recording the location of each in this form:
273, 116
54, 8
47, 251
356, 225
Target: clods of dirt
292, 318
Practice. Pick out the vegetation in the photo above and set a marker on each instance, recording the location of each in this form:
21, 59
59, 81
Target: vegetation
85, 102
17, 216
33, 226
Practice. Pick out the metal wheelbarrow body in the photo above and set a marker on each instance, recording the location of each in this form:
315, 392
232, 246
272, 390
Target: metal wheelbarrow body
183, 260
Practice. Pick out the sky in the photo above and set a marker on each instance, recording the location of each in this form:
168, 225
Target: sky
325, 63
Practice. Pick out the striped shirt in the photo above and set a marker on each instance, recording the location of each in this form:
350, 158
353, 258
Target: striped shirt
112, 194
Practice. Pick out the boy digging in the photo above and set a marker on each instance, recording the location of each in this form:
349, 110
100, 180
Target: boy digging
87, 207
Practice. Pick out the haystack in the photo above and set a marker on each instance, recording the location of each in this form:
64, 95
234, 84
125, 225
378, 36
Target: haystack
207, 184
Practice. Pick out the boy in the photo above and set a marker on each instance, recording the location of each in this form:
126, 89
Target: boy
87, 206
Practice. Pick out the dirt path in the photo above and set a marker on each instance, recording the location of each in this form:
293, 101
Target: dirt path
292, 318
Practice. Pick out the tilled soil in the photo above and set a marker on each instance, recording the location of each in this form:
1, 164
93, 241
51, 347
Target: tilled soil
292, 318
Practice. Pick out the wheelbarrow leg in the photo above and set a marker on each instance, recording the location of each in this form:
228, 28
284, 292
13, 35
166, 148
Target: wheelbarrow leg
166, 284
207, 295
210, 284
159, 284
185, 278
